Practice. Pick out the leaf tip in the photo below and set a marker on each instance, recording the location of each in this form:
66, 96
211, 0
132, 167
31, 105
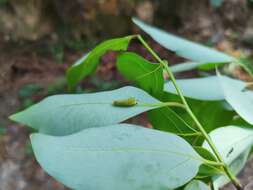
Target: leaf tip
15, 117
136, 21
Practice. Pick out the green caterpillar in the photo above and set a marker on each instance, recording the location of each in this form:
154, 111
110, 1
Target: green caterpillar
125, 102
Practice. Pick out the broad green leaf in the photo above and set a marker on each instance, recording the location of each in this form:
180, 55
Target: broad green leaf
197, 185
117, 157
67, 114
233, 143
185, 48
207, 88
165, 119
88, 64
215, 111
211, 114
147, 75
240, 99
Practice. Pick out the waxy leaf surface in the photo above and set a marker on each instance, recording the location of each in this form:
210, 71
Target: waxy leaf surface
234, 144
117, 157
207, 88
185, 48
238, 96
67, 114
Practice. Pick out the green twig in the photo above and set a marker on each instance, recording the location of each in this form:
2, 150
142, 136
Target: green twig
188, 109
163, 104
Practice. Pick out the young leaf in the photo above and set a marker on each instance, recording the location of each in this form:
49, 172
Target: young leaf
237, 97
197, 185
88, 64
117, 157
135, 68
185, 48
234, 148
67, 114
207, 88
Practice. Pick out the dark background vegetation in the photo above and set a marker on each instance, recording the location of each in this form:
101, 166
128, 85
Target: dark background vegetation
39, 39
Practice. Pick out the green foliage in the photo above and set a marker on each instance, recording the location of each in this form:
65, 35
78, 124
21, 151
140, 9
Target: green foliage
165, 119
206, 170
67, 114
207, 88
146, 75
234, 144
81, 142
185, 48
201, 57
125, 157
237, 97
87, 65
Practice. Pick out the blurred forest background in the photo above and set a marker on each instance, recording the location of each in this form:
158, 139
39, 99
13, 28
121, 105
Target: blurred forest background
40, 39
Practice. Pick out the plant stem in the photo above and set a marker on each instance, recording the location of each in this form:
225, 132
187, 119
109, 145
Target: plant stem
163, 104
188, 109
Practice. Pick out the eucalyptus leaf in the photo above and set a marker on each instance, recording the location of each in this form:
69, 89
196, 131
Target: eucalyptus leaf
117, 157
211, 114
207, 88
147, 75
165, 119
67, 114
233, 144
186, 66
197, 185
236, 166
185, 48
231, 141
240, 99
88, 64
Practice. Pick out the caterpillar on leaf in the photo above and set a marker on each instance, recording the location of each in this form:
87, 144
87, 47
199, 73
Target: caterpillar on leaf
129, 102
